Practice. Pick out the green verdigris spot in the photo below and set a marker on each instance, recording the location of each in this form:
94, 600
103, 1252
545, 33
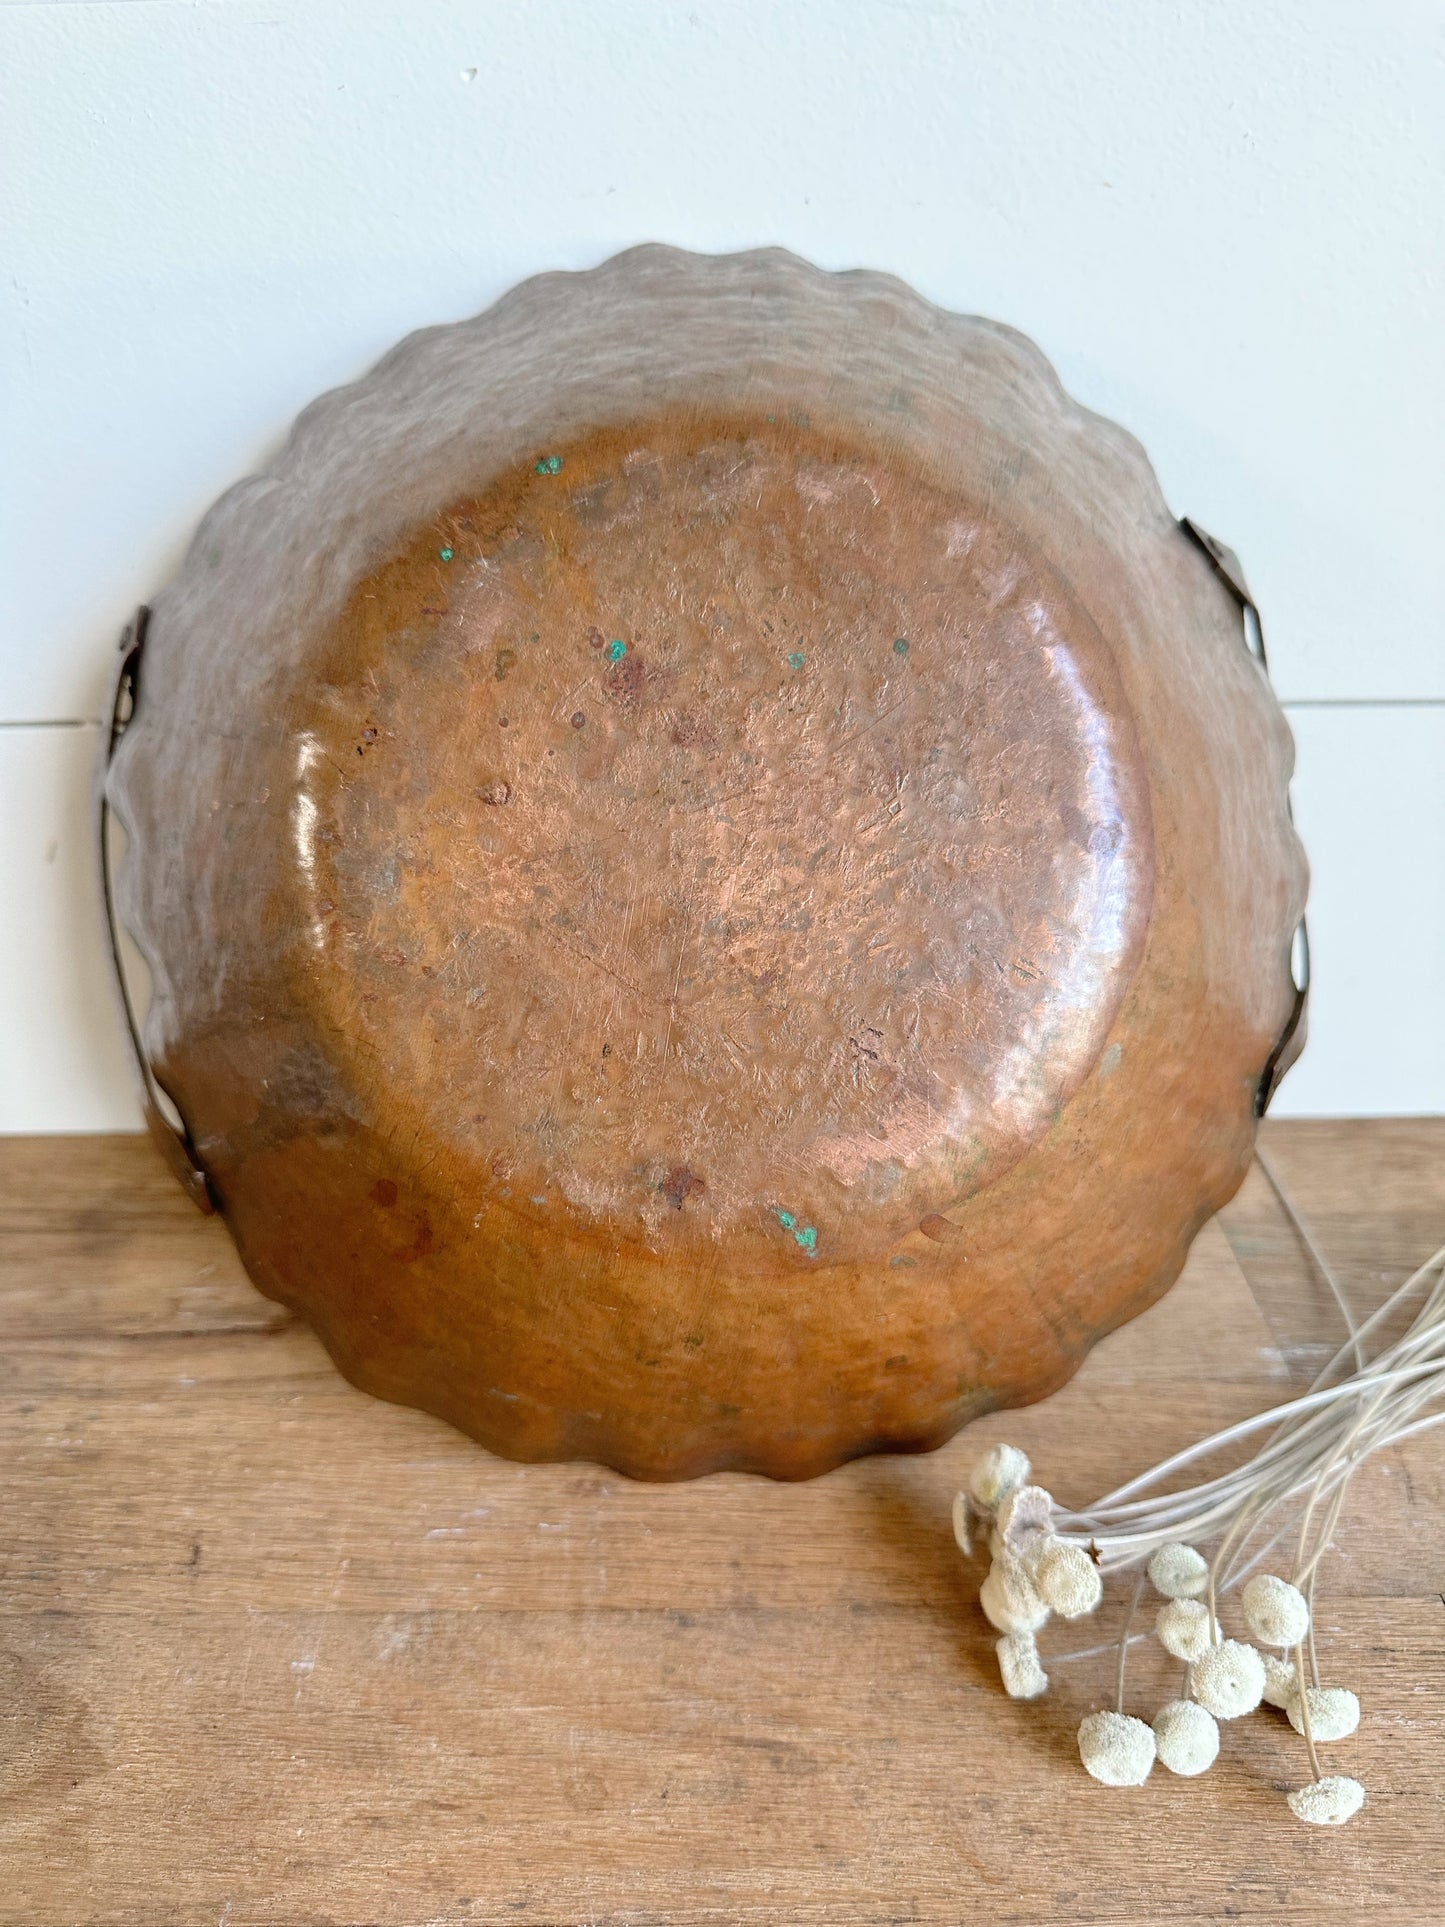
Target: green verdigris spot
616, 650
549, 465
804, 1235
795, 660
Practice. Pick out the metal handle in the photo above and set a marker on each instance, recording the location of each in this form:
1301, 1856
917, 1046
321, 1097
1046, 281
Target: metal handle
1296, 1029
173, 1141
1230, 570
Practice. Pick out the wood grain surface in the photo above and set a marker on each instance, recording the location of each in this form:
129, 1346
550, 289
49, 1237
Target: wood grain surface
274, 1654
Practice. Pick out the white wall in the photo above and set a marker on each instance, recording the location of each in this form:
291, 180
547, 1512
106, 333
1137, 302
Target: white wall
1223, 220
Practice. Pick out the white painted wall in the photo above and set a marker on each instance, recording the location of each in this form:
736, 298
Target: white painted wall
1224, 221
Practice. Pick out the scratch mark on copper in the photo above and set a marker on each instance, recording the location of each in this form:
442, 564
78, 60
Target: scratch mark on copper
598, 964
672, 1001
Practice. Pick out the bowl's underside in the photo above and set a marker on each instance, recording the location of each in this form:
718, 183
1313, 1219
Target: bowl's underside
715, 948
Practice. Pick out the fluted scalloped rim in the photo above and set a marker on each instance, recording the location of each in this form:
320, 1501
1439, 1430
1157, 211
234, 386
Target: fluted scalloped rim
321, 416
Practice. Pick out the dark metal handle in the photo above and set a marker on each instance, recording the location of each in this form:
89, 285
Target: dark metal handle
174, 1142
1296, 1029
1230, 570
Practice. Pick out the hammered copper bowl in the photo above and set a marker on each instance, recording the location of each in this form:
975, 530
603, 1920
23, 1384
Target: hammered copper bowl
716, 870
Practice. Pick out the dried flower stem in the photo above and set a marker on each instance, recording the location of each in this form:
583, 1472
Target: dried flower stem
1317, 1441
1317, 1257
1304, 1708
1124, 1643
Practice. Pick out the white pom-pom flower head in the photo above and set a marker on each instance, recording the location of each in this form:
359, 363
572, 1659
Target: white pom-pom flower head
1228, 1679
1276, 1613
1183, 1629
1281, 1682
1009, 1600
1001, 1470
1066, 1579
1024, 1518
1328, 1802
1116, 1749
1179, 1572
1334, 1712
963, 1521
1020, 1668
1187, 1738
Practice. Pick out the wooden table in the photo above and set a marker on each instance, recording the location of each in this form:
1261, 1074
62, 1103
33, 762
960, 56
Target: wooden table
273, 1652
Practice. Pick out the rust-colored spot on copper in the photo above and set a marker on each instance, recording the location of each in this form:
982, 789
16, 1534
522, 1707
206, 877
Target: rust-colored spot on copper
937, 1227
422, 1245
680, 1184
626, 680
692, 731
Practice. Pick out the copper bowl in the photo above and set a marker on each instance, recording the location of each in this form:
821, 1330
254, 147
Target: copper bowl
716, 870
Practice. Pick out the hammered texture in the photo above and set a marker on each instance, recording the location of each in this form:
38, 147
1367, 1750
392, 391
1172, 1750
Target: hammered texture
716, 870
